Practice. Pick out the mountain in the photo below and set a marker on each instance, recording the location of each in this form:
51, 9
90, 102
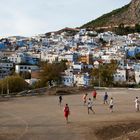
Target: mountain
128, 15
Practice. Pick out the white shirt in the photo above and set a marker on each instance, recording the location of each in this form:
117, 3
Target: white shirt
137, 102
111, 102
90, 104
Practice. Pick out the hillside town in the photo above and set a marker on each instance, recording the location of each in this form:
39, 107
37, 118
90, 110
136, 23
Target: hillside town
81, 49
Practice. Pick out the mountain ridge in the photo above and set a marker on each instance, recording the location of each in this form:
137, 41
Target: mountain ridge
128, 15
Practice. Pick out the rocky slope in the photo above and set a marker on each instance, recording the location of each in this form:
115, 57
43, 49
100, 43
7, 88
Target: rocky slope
129, 15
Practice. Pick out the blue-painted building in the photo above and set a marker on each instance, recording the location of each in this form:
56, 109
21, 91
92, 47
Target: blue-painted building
132, 51
31, 60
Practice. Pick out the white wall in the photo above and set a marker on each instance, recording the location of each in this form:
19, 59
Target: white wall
120, 76
25, 68
137, 77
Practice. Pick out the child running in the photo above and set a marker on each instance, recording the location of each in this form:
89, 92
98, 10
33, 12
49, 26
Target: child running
60, 100
137, 104
111, 105
90, 104
85, 98
66, 112
94, 94
106, 98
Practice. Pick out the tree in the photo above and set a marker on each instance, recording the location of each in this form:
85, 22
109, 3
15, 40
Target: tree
12, 84
52, 73
124, 30
38, 84
103, 75
95, 77
137, 56
25, 75
120, 30
137, 28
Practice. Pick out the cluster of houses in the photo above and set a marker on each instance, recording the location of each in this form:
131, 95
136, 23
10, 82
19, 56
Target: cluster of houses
81, 49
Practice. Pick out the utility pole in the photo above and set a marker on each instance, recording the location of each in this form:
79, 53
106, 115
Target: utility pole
99, 76
2, 82
7, 87
2, 89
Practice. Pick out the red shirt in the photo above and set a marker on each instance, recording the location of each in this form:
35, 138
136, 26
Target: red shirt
66, 111
94, 93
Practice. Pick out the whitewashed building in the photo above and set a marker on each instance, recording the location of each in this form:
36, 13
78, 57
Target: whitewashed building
137, 77
70, 57
17, 58
78, 66
49, 57
68, 78
81, 79
25, 68
5, 68
120, 76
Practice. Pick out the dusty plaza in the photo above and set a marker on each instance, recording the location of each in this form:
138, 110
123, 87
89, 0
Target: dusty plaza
41, 118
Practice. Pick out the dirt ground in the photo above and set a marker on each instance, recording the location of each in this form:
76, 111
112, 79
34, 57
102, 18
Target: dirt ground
41, 118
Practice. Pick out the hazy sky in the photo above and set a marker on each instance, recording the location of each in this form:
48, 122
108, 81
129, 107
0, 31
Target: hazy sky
31, 17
